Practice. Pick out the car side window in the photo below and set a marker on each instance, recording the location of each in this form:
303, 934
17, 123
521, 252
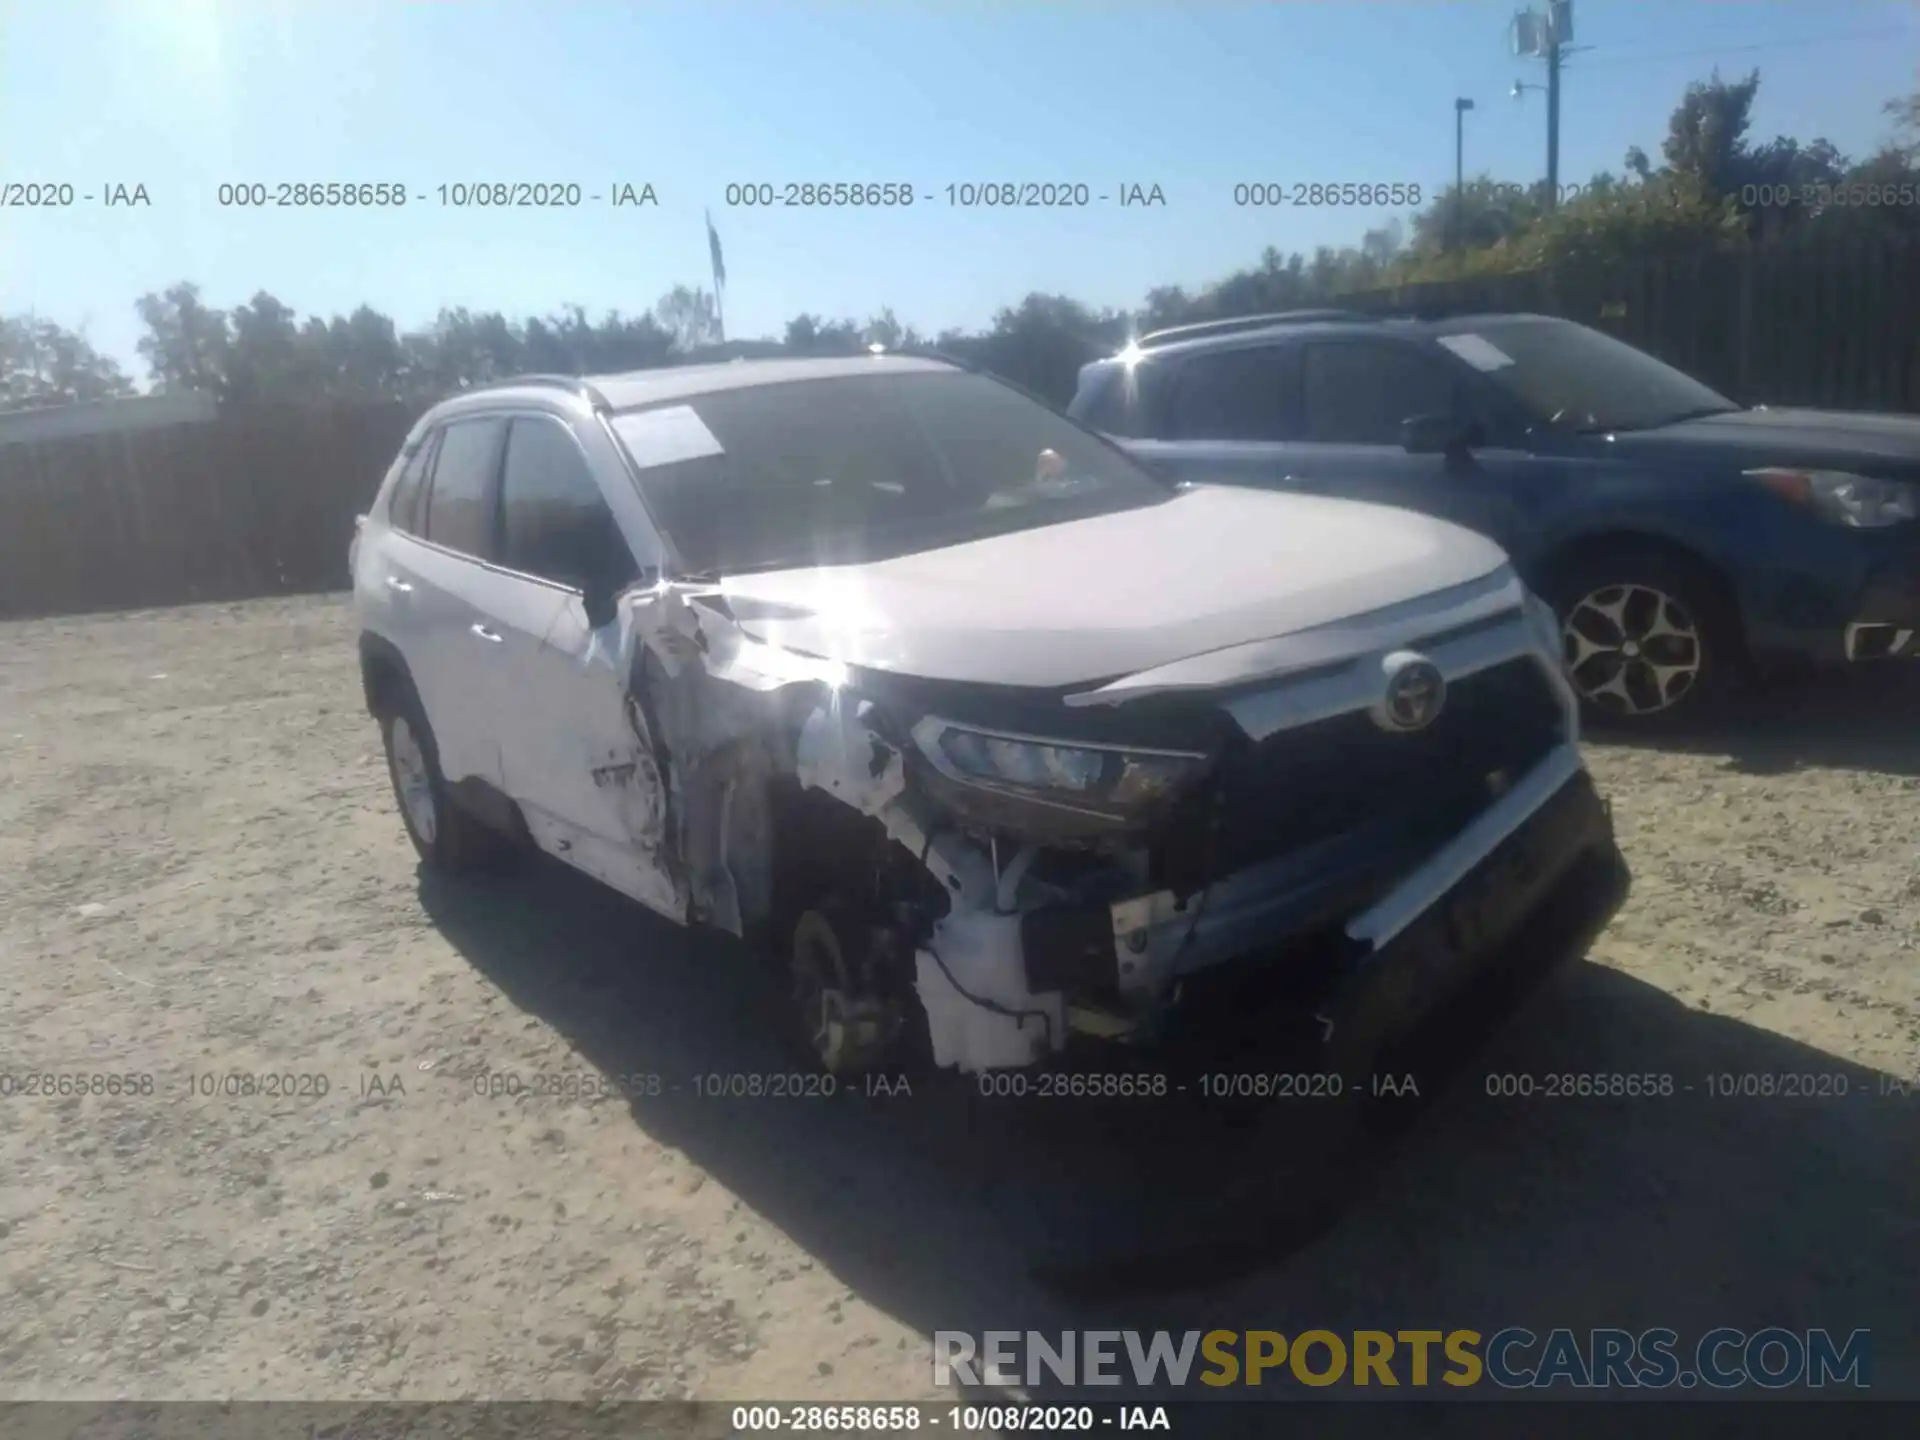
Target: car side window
463, 489
1359, 392
554, 520
1241, 394
403, 506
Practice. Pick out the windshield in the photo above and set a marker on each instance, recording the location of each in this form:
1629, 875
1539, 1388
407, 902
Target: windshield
859, 468
1576, 377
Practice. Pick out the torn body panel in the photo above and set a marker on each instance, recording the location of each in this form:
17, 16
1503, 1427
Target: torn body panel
1012, 937
969, 969
707, 715
717, 721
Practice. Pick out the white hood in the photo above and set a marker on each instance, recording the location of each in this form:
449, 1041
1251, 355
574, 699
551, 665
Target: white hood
1093, 599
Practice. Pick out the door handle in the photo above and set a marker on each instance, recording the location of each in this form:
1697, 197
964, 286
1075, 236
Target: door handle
400, 587
484, 633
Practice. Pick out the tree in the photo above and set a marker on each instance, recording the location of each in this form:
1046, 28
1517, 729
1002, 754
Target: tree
1481, 213
42, 363
803, 332
884, 329
810, 335
186, 343
1042, 343
361, 356
1905, 114
689, 316
265, 359
1706, 147
1706, 134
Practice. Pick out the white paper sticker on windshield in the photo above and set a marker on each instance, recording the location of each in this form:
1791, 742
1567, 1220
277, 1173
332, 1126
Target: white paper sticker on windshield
666, 436
1477, 351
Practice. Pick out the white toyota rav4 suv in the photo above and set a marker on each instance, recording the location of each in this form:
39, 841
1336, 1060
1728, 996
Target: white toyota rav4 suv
997, 744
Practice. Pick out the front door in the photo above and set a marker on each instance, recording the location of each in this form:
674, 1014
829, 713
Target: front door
1355, 395
578, 756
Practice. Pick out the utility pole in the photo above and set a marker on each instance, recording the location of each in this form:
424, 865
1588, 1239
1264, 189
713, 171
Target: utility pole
1545, 35
1553, 114
1460, 108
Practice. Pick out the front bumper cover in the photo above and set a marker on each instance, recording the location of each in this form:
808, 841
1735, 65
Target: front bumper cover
1547, 843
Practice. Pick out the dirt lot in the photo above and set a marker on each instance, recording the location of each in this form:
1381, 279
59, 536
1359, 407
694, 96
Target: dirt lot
201, 874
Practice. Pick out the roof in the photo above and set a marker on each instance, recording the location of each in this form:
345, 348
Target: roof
1238, 323
1252, 329
634, 389
676, 382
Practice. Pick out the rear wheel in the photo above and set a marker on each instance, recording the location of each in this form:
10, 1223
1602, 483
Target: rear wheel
446, 837
1649, 639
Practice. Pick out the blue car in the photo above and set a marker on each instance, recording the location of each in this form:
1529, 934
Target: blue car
1683, 540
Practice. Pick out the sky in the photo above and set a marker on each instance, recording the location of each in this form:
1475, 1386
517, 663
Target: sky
181, 96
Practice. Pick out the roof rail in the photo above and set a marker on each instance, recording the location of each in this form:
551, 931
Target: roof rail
576, 384
927, 352
1243, 322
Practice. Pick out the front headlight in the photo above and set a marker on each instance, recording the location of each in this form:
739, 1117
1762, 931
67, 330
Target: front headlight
1085, 777
1858, 501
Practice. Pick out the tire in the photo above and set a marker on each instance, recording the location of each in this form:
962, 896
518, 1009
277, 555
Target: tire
446, 837
1650, 639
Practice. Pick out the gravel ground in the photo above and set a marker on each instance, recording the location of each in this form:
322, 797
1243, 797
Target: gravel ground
201, 875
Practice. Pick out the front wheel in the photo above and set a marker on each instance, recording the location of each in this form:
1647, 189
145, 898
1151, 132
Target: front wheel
1649, 640
850, 1003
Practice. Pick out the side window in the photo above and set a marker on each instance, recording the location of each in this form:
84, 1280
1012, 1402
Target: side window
1358, 392
403, 506
461, 495
1246, 394
554, 522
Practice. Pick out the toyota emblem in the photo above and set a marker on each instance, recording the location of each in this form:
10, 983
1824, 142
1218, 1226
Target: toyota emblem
1415, 693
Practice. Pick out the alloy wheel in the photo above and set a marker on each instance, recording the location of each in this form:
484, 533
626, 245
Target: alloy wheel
1632, 650
413, 780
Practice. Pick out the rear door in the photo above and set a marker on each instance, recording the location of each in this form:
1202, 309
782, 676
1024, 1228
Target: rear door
578, 758
441, 558
383, 568
1227, 417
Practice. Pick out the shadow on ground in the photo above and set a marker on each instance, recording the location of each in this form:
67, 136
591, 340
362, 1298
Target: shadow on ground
1689, 1211
1867, 719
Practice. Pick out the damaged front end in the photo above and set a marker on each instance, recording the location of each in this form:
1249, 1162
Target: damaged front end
1019, 868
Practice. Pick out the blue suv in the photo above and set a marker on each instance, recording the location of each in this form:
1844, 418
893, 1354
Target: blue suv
1683, 539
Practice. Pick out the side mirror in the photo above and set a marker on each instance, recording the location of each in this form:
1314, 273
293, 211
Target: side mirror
1439, 435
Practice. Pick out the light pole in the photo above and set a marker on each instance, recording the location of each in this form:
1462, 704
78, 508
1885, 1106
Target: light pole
1460, 107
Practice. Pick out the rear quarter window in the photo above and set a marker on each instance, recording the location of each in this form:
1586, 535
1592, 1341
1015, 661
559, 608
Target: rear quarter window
465, 487
403, 505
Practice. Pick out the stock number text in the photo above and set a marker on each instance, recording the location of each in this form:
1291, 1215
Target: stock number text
1272, 193
312, 195
836, 194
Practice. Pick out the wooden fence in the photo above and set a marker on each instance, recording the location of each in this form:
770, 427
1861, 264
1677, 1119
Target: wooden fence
257, 502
